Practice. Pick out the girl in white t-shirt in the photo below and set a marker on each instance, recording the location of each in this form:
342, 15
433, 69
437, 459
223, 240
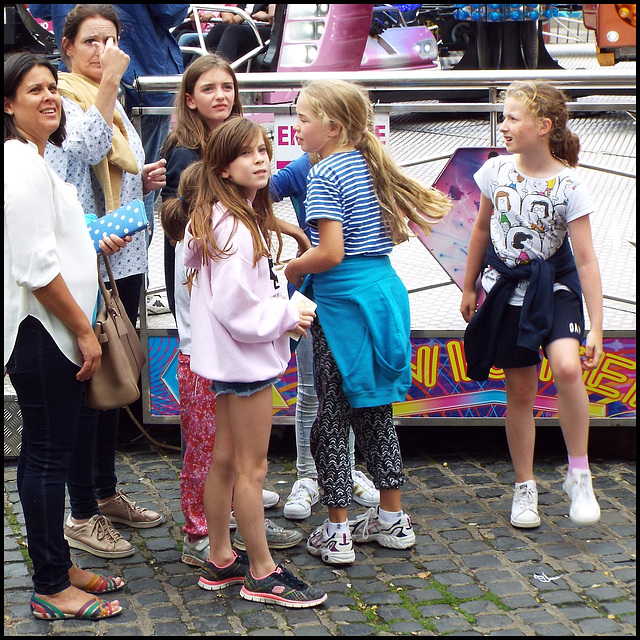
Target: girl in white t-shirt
531, 201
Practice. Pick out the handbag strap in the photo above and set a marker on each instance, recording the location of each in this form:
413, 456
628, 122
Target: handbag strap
112, 280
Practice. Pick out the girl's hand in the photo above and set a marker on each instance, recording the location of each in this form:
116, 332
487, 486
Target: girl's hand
112, 244
306, 319
304, 244
593, 349
468, 305
292, 275
154, 176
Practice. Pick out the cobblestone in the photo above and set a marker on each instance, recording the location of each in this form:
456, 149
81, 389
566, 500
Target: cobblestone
470, 572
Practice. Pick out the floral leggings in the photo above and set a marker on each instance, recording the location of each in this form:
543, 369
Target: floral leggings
373, 427
198, 424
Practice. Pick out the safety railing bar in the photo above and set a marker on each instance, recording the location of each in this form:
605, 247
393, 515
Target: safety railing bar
426, 80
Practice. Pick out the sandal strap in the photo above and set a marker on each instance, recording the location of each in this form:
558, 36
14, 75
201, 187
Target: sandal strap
102, 584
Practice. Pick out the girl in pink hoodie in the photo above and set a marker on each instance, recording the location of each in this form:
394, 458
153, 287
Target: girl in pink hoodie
239, 323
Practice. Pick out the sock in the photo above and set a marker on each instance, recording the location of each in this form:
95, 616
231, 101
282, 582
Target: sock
578, 462
389, 516
535, 486
336, 527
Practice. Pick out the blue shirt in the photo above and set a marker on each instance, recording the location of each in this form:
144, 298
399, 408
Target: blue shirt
340, 188
145, 38
291, 182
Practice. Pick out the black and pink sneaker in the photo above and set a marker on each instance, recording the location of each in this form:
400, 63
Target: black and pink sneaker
215, 578
283, 588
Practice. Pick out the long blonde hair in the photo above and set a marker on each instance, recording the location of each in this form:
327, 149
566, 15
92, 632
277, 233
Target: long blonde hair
402, 198
543, 100
225, 144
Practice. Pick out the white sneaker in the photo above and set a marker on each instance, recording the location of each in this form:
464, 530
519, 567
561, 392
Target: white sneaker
524, 508
335, 549
584, 506
303, 496
157, 303
364, 491
394, 535
269, 499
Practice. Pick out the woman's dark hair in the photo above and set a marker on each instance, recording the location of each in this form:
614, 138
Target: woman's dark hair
79, 14
16, 66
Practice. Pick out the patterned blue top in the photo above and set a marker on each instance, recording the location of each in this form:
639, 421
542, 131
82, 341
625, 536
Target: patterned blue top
340, 188
88, 141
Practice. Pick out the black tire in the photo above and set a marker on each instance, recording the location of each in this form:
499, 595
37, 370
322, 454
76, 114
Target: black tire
457, 32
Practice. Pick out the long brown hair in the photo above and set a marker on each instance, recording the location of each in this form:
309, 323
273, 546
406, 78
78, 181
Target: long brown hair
225, 144
175, 212
191, 130
402, 199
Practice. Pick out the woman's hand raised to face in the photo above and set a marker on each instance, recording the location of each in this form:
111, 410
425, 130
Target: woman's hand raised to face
114, 61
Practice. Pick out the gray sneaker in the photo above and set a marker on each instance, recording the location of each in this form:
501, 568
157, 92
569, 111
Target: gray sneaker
195, 553
277, 537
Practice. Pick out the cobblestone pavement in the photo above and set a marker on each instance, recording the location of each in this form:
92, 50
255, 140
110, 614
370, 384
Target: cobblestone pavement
470, 573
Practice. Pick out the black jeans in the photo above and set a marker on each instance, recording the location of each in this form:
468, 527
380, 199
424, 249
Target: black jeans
93, 469
50, 399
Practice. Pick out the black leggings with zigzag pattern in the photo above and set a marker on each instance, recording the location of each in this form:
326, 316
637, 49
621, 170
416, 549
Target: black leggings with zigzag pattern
373, 427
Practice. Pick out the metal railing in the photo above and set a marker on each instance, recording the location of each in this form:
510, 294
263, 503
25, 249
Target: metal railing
248, 20
429, 84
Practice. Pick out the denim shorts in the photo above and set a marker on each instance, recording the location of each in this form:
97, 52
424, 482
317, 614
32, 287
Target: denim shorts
242, 389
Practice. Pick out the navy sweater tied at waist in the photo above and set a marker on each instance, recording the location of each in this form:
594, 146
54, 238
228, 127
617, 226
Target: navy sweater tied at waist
481, 335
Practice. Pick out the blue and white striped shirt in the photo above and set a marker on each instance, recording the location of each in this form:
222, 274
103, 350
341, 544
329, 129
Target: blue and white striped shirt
340, 188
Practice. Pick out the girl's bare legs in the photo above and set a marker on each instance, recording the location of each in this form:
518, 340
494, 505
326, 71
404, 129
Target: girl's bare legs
522, 387
218, 488
250, 421
391, 499
573, 402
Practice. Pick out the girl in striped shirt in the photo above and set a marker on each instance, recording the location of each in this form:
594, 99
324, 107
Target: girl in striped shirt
359, 205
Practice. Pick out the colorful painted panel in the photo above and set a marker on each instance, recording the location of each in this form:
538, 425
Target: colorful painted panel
440, 387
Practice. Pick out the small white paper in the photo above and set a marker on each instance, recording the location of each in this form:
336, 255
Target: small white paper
304, 304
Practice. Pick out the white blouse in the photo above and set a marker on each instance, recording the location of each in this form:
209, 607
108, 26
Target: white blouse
88, 141
45, 234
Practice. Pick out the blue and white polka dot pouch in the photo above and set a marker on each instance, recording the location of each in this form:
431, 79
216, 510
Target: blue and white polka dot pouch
125, 221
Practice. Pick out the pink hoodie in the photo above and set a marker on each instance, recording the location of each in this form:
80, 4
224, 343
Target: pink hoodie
238, 319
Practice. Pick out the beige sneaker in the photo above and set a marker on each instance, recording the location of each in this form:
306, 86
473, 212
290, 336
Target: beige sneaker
98, 537
124, 510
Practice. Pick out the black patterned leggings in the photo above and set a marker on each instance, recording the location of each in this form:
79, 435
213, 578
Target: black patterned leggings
373, 427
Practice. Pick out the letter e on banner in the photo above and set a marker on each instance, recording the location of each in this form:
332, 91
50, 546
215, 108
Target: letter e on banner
286, 147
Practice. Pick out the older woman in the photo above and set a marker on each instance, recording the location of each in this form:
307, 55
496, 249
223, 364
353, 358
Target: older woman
50, 350
104, 158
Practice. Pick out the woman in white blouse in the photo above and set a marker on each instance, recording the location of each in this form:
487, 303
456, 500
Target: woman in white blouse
104, 158
50, 349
